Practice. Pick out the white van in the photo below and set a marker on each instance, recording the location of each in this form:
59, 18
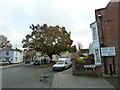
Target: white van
62, 64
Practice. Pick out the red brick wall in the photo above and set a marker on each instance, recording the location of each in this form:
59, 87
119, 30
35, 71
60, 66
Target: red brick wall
119, 38
78, 69
110, 31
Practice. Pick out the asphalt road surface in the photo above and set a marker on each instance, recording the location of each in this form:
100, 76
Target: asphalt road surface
27, 76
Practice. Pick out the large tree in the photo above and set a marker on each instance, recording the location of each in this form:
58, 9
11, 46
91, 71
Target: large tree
6, 44
73, 49
48, 39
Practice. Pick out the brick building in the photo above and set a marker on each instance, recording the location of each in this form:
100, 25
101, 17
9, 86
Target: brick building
108, 25
105, 45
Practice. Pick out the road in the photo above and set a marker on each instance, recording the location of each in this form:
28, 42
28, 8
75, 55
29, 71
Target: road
27, 76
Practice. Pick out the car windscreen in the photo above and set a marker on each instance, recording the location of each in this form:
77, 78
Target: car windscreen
64, 59
60, 62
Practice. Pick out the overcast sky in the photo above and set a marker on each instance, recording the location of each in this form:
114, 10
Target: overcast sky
76, 15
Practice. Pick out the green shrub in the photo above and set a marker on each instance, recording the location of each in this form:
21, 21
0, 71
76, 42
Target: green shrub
80, 60
88, 57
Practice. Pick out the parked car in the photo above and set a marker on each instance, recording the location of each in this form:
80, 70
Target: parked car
36, 62
4, 62
67, 59
27, 61
62, 64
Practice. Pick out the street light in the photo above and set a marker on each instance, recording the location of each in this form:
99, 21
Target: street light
99, 15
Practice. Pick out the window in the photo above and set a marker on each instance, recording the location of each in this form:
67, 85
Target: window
97, 57
7, 59
94, 34
7, 53
16, 58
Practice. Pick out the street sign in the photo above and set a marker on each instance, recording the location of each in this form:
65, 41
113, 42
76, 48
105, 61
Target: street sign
89, 66
108, 51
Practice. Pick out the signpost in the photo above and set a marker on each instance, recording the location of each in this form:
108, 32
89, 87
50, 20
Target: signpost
108, 51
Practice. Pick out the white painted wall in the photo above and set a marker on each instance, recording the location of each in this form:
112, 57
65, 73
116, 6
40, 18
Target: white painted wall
96, 45
18, 57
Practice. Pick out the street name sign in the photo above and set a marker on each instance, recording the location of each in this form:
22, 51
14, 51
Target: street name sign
108, 51
89, 66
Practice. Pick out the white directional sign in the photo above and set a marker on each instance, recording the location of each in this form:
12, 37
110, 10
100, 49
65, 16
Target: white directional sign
108, 51
89, 66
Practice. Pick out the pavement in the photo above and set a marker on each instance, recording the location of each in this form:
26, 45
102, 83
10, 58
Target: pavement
66, 79
10, 65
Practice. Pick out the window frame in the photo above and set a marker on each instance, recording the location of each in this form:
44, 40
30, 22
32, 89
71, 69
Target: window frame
7, 53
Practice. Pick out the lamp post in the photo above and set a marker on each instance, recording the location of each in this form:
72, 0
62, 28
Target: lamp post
102, 44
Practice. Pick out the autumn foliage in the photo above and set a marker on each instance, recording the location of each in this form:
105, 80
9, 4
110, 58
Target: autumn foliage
48, 39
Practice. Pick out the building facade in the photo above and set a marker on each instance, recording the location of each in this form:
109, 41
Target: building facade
11, 55
95, 44
108, 25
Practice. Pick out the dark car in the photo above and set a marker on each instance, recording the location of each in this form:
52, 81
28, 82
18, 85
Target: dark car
36, 62
27, 61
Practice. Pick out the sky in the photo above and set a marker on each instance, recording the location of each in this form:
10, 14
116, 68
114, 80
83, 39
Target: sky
75, 15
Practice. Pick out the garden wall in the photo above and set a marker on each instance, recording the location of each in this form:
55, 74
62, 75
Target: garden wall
79, 69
